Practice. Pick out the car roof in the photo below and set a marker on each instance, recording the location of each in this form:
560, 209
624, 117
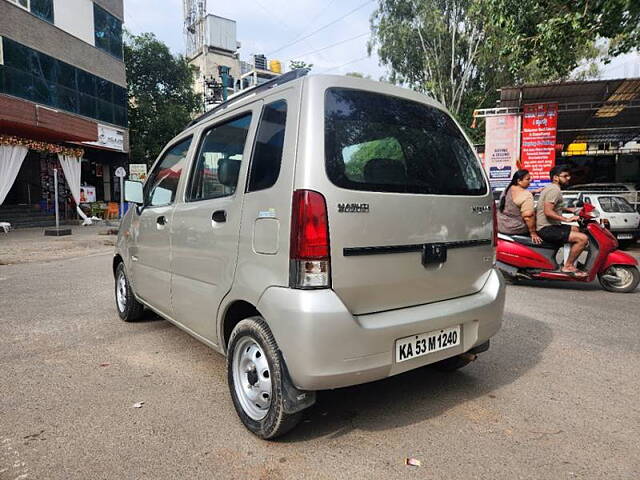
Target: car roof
273, 86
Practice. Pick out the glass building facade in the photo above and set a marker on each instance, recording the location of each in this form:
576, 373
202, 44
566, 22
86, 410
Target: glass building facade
40, 78
108, 32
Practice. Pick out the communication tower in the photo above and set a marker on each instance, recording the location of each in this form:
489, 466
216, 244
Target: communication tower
194, 28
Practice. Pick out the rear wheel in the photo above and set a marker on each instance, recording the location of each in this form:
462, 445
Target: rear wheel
128, 307
620, 278
254, 373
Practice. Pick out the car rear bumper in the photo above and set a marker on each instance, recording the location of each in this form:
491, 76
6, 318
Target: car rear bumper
326, 347
620, 232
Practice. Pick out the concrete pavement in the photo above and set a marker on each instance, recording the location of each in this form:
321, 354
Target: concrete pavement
555, 397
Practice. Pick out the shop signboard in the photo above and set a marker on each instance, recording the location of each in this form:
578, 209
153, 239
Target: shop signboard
138, 172
539, 128
87, 194
109, 137
501, 149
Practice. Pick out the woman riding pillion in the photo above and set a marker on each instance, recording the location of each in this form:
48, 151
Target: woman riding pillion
516, 211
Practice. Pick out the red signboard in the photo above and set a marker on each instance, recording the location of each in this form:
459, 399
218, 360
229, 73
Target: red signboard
539, 125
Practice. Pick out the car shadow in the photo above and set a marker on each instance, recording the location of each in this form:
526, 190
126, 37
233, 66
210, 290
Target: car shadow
425, 393
149, 316
562, 285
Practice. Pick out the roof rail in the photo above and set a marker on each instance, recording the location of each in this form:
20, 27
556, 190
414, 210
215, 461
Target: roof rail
287, 77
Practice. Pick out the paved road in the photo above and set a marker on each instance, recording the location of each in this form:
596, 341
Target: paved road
557, 396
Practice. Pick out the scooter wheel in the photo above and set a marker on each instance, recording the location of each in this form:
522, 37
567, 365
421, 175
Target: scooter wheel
628, 278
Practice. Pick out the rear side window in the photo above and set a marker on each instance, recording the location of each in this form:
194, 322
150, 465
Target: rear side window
219, 159
267, 157
162, 184
381, 143
615, 205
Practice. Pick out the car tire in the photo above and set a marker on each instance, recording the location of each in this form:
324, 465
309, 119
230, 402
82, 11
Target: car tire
451, 364
630, 278
128, 307
254, 373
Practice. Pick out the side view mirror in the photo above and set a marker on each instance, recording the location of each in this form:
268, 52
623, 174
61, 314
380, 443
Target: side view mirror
133, 192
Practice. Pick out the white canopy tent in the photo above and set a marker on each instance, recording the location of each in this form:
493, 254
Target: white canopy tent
12, 154
11, 158
72, 169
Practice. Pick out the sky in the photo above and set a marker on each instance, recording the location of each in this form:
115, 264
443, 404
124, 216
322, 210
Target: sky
266, 26
277, 28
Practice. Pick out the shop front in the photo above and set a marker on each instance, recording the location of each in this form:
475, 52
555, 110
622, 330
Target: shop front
592, 126
35, 142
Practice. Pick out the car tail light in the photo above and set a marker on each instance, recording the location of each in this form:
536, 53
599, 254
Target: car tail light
309, 253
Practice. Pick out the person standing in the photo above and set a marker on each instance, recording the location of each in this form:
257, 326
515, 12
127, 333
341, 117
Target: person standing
550, 220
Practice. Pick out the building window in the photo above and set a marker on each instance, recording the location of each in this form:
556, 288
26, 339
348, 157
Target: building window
108, 31
43, 9
40, 8
34, 76
21, 3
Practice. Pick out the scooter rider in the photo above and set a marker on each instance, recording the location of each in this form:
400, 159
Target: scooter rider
549, 219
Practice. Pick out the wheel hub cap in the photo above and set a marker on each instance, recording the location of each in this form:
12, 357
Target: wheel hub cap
251, 378
121, 292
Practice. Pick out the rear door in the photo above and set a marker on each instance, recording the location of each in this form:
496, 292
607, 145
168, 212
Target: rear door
409, 209
206, 226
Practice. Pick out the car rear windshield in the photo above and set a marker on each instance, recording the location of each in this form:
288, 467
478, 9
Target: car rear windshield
615, 205
382, 143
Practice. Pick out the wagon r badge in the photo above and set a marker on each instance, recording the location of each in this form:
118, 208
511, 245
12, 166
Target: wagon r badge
480, 209
353, 208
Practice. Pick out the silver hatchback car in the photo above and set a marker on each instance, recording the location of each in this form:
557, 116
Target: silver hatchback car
320, 231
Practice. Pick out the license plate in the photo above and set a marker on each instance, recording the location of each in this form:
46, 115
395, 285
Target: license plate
624, 236
425, 343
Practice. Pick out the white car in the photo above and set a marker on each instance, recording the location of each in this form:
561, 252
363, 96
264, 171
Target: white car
629, 191
623, 219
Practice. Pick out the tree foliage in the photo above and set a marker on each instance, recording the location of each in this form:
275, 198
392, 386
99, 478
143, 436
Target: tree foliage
461, 51
298, 64
553, 36
161, 96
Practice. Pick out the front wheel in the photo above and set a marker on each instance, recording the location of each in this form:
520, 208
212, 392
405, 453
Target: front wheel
620, 278
254, 373
129, 309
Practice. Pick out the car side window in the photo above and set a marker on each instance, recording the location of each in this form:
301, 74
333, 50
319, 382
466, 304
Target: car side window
215, 173
162, 184
267, 155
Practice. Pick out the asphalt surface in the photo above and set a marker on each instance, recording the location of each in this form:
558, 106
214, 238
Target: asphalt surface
556, 396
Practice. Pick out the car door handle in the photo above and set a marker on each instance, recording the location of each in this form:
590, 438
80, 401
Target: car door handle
161, 220
219, 216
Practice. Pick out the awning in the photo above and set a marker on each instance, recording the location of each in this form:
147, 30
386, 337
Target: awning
27, 119
600, 111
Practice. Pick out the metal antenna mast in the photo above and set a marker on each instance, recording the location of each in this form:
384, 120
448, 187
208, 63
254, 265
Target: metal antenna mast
194, 13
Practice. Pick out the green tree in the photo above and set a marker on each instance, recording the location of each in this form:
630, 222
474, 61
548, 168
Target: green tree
161, 96
433, 46
297, 64
552, 37
461, 51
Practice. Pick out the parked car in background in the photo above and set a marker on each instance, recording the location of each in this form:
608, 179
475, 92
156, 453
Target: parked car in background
629, 191
623, 219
